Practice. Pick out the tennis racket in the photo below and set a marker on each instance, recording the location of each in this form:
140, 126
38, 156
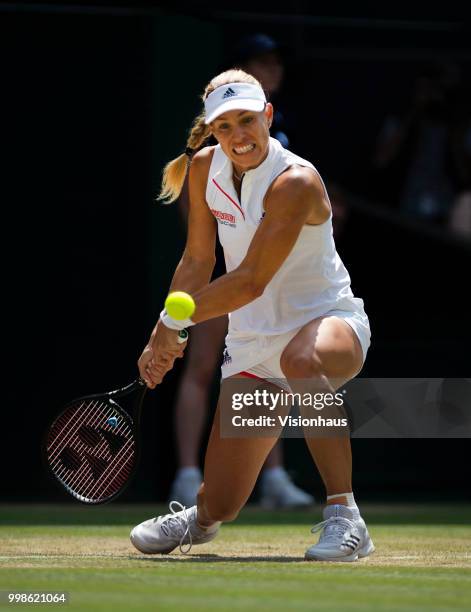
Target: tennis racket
92, 448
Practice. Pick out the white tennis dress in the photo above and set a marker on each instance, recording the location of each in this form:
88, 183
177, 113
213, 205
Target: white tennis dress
311, 282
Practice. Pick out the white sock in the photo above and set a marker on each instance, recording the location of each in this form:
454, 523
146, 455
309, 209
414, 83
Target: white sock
351, 503
214, 527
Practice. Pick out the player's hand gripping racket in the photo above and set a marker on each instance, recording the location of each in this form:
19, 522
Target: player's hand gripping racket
93, 446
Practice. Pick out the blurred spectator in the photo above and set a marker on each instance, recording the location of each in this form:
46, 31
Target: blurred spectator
460, 215
261, 56
423, 156
340, 209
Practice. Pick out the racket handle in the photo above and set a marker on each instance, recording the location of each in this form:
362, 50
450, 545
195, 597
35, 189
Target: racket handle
182, 336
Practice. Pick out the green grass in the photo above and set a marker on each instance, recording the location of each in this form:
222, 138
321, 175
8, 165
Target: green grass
423, 561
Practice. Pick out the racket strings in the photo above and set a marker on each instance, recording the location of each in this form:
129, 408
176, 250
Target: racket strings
97, 474
89, 436
86, 482
115, 442
66, 431
71, 459
60, 436
115, 477
96, 464
91, 415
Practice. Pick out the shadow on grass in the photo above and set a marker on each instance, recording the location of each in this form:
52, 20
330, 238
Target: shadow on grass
212, 558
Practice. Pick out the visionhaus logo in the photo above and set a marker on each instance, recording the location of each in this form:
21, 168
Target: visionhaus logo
288, 421
374, 408
266, 411
262, 398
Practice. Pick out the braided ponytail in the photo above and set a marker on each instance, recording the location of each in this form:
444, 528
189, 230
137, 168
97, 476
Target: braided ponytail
175, 171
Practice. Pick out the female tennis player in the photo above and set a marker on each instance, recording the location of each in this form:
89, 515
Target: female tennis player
292, 314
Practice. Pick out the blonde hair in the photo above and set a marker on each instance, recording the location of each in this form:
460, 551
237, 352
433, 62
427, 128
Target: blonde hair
175, 171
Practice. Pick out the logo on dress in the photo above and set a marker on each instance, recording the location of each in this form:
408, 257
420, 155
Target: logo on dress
229, 93
224, 218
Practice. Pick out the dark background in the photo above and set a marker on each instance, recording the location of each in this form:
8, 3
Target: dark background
95, 100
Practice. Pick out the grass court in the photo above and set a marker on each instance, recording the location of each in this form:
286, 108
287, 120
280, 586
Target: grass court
422, 561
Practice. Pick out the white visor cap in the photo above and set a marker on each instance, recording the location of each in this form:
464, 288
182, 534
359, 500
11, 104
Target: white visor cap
241, 96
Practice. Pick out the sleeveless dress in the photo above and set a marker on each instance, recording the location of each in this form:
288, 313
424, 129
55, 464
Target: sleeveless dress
310, 283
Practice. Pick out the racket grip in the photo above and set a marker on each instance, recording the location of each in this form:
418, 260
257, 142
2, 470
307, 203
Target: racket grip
182, 336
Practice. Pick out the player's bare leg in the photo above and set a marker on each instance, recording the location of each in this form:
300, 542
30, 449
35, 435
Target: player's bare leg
232, 466
203, 357
231, 469
323, 351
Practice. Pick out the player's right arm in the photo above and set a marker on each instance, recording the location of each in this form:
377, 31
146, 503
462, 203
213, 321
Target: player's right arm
193, 271
197, 263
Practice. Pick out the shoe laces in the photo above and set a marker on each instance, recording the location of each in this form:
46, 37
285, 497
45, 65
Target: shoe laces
334, 528
177, 525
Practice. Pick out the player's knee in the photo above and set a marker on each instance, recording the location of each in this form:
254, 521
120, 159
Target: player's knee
299, 365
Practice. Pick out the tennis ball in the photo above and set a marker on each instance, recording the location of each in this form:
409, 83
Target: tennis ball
179, 305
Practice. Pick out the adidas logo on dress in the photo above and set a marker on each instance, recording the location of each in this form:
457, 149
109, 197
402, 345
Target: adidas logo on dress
229, 93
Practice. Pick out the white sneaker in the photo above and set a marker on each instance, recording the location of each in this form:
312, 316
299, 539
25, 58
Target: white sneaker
344, 536
186, 485
164, 533
277, 490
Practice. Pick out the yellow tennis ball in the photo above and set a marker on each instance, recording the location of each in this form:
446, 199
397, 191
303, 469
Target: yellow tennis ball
179, 305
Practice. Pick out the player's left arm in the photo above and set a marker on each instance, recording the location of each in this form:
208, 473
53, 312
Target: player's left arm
295, 198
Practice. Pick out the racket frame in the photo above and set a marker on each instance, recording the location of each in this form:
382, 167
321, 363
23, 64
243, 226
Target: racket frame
110, 397
138, 385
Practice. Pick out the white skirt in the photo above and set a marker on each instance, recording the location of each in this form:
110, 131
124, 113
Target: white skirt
245, 352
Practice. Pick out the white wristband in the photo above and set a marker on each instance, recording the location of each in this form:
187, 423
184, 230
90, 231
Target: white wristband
173, 323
